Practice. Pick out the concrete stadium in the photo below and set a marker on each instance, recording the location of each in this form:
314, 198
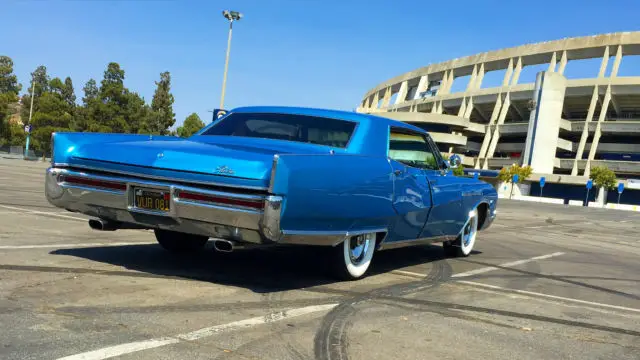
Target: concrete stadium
561, 125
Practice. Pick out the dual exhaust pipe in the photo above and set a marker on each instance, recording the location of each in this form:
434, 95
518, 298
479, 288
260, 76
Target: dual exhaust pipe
107, 225
103, 225
221, 245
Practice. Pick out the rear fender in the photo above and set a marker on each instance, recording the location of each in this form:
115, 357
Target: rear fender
333, 192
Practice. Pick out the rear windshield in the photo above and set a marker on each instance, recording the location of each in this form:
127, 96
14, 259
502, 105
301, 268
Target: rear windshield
300, 128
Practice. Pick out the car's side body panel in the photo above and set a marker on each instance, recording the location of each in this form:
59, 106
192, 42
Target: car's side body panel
333, 192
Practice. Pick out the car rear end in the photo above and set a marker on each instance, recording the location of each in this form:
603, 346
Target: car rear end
215, 184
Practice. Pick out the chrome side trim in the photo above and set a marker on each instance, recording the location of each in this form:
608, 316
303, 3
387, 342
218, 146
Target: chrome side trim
412, 242
472, 193
154, 177
323, 238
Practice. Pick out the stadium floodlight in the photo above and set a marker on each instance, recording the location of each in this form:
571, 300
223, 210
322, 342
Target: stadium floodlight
231, 16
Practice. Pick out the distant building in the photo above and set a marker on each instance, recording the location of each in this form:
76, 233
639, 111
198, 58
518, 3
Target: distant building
561, 127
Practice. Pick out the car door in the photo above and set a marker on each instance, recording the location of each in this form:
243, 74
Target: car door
447, 214
411, 192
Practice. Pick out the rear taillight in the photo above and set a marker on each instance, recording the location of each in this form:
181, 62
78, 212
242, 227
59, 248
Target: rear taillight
257, 204
79, 180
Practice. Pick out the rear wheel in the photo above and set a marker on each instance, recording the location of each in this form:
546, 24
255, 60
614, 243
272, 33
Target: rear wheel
463, 245
177, 242
352, 258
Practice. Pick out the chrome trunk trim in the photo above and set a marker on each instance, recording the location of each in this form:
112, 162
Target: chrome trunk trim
144, 177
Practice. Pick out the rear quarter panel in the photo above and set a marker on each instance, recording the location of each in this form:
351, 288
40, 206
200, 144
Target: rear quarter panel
333, 192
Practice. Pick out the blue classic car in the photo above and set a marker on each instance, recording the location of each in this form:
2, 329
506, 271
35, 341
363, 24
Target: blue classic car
262, 176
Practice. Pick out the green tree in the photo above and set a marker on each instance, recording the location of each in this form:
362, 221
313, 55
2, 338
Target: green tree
8, 80
137, 112
108, 112
190, 126
9, 89
523, 172
68, 93
91, 92
54, 114
40, 83
112, 107
162, 116
83, 116
603, 177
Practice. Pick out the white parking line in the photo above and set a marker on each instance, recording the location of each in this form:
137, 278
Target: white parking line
36, 212
509, 264
46, 246
481, 270
531, 293
131, 347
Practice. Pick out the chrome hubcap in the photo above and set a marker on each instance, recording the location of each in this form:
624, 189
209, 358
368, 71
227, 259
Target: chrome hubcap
358, 246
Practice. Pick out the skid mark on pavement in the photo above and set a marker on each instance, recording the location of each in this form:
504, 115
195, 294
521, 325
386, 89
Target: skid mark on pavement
331, 338
122, 349
429, 306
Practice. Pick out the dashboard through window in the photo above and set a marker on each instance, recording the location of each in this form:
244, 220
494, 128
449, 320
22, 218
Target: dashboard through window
411, 149
291, 127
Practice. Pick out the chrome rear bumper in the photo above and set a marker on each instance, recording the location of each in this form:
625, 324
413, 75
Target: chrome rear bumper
217, 220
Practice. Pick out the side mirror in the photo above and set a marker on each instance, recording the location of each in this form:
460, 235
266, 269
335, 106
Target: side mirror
454, 161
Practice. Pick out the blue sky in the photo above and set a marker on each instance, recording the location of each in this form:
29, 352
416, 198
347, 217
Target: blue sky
319, 53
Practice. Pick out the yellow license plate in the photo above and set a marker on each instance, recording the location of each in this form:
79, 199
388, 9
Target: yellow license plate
154, 200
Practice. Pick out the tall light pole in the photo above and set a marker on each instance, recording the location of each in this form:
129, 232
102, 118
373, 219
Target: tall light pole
231, 16
28, 127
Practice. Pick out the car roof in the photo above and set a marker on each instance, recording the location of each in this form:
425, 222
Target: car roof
328, 113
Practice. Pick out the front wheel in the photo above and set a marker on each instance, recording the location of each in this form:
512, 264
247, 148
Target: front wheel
352, 258
463, 245
177, 242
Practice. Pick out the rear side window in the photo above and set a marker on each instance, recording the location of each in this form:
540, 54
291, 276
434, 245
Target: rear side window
290, 127
411, 149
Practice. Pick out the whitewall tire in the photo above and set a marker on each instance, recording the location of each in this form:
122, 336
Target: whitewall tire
352, 258
463, 245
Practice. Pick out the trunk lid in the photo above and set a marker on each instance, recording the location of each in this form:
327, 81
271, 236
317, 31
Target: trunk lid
224, 157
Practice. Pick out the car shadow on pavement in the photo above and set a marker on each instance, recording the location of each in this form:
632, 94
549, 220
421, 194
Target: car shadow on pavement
260, 270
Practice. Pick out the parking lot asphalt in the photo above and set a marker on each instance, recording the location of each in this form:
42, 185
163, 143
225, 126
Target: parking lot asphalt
545, 282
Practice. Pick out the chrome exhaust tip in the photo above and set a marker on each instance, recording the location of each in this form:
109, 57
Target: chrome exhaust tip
102, 225
223, 245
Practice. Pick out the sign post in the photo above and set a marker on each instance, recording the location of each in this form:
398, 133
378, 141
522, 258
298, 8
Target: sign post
620, 190
27, 129
543, 180
514, 181
589, 186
